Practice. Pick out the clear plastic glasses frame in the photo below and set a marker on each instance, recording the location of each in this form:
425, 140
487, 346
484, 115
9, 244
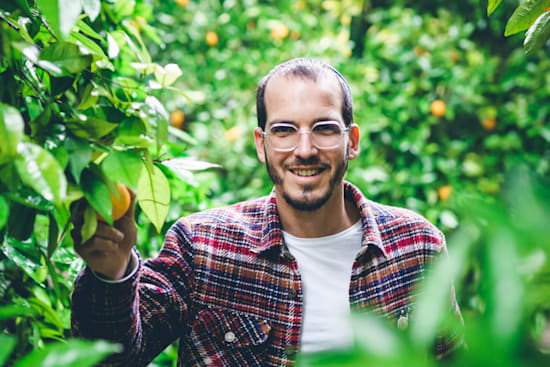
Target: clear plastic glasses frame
285, 137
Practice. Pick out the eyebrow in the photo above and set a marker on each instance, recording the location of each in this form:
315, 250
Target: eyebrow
319, 119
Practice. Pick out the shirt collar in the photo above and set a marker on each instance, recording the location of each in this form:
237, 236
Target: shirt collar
272, 235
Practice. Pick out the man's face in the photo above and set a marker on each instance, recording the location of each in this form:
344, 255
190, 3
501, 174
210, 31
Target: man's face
308, 176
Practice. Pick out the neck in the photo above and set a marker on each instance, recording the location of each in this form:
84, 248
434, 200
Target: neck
336, 215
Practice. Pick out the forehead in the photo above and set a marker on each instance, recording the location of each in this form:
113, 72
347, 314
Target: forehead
296, 98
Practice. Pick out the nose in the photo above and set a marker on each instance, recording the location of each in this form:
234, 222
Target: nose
305, 147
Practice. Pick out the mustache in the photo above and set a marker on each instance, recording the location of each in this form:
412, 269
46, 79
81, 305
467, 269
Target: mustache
307, 162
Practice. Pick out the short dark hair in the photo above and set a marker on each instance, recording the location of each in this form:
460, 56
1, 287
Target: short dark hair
305, 68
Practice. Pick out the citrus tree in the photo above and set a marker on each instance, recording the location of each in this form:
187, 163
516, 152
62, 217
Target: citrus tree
79, 118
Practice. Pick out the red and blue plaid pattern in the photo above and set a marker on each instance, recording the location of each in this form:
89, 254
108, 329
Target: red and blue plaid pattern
225, 284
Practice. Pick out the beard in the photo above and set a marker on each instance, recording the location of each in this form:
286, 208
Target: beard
306, 203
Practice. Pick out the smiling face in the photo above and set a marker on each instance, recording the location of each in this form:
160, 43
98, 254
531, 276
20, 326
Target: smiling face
307, 177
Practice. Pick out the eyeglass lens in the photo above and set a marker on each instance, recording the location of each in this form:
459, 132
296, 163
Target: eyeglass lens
324, 135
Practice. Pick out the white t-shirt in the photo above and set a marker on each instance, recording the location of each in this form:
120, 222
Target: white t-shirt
325, 265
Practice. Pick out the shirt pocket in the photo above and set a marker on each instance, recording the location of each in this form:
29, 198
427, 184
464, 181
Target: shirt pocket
228, 338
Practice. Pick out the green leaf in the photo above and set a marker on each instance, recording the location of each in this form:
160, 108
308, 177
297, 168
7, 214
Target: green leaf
89, 127
7, 343
40, 170
4, 211
159, 120
154, 196
92, 8
25, 255
493, 4
16, 310
71, 353
433, 303
89, 98
87, 30
537, 34
53, 233
96, 192
80, 154
525, 15
168, 74
11, 131
133, 132
90, 224
124, 167
67, 57
89, 44
61, 15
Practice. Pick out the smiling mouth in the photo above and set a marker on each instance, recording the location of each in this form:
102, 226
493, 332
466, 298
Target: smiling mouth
307, 172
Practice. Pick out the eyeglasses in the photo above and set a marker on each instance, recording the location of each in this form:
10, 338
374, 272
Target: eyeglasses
284, 137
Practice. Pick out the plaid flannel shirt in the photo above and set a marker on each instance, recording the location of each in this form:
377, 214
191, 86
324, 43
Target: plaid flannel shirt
225, 284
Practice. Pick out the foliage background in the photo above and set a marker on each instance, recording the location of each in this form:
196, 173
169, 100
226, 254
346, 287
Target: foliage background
398, 59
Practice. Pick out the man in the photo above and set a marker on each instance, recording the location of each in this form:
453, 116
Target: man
254, 283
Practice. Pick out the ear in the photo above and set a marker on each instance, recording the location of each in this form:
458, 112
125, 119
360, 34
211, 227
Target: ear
259, 141
353, 135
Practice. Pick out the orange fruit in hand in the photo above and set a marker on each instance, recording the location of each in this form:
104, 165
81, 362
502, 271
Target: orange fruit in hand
438, 108
120, 203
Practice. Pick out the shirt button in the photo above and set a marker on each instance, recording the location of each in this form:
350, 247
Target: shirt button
229, 337
292, 293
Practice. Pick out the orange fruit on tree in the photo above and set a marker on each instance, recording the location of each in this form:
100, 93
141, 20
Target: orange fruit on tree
182, 3
489, 123
280, 31
211, 38
120, 204
438, 108
444, 192
177, 118
233, 134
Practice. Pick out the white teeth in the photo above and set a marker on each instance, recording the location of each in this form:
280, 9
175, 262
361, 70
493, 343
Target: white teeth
305, 172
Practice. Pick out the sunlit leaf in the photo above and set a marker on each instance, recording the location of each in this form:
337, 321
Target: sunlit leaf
434, 303
154, 196
525, 15
11, 131
61, 15
71, 353
112, 47
92, 8
168, 74
90, 224
124, 167
41, 171
66, 56
188, 164
537, 34
90, 127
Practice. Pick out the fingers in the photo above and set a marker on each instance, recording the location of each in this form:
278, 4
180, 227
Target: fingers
104, 235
